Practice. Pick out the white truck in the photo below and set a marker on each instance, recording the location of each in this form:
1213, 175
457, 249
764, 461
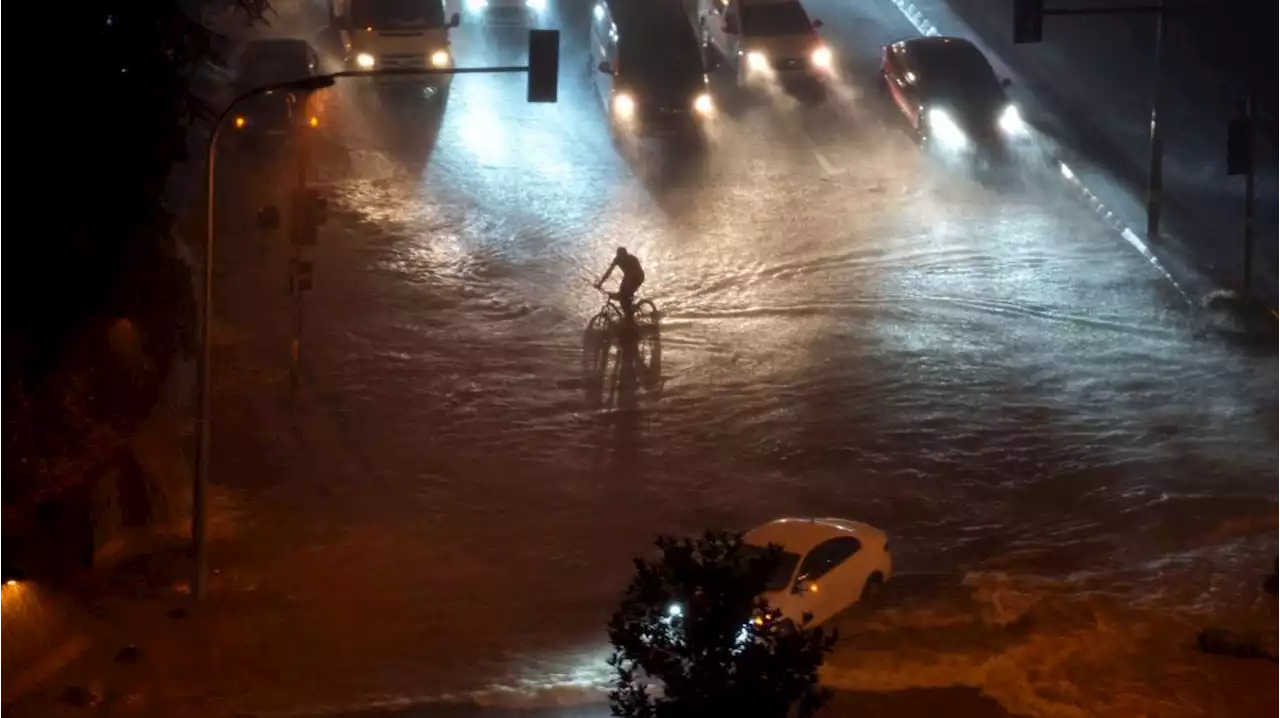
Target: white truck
395, 34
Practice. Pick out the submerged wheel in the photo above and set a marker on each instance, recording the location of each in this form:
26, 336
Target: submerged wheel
872, 589
646, 311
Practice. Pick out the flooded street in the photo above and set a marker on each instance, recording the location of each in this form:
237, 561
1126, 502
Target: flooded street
1027, 407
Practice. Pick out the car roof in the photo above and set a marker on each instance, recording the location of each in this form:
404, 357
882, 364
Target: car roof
799, 535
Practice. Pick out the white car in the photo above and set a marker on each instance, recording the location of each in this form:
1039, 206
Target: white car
829, 564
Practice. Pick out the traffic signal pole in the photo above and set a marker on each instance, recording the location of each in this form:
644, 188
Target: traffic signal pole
1028, 22
543, 71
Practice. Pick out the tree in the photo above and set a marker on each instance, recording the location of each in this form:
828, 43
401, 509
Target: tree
110, 125
694, 638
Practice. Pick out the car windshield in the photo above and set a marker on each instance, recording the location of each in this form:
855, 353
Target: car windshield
670, 68
781, 576
776, 19
959, 73
269, 63
388, 14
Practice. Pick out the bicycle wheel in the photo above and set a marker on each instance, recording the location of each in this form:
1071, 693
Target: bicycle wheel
646, 312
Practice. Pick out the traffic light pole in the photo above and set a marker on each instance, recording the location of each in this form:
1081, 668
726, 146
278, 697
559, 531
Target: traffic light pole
1250, 180
1028, 20
543, 71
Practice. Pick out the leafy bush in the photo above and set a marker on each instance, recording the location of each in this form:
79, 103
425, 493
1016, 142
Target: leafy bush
693, 637
110, 127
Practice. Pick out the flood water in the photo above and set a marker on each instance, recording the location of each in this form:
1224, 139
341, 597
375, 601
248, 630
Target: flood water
1040, 422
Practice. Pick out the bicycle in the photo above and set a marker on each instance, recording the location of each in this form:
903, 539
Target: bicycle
644, 313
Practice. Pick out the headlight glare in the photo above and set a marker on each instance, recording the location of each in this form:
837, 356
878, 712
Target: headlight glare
624, 106
1011, 122
703, 104
821, 58
944, 130
365, 61
757, 61
440, 58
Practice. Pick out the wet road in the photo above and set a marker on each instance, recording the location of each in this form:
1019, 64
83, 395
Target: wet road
848, 329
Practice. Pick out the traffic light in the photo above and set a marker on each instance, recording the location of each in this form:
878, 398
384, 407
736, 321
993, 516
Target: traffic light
544, 65
310, 212
1028, 21
1239, 146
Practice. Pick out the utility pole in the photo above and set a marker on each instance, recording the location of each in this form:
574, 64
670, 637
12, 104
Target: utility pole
1028, 20
1155, 170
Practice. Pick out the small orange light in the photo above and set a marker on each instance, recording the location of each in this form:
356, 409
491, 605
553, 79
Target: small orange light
813, 588
314, 121
369, 29
758, 621
239, 122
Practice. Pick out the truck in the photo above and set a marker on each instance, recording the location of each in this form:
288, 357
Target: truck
395, 34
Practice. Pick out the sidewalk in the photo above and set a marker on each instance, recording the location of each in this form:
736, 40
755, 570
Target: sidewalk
1089, 86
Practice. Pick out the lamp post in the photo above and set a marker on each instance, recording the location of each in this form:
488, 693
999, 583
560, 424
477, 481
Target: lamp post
201, 483
543, 71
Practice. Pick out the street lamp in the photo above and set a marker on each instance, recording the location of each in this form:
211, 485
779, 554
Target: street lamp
201, 485
543, 71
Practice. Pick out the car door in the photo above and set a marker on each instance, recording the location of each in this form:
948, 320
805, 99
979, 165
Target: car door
819, 587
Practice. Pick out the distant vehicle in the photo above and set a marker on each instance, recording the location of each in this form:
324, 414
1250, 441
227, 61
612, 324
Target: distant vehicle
829, 564
765, 41
276, 116
507, 12
395, 34
648, 68
951, 96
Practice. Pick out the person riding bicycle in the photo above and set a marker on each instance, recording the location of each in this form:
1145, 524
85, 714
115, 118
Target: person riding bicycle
632, 278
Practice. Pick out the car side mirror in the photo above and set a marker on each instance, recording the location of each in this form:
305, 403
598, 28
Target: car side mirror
817, 24
455, 20
605, 67
1006, 83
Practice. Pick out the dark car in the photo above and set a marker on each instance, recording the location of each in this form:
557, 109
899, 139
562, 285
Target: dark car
951, 95
650, 70
275, 116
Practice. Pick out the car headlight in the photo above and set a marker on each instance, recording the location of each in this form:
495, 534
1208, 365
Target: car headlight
821, 57
240, 122
536, 5
624, 106
757, 61
474, 5
944, 130
1011, 121
365, 61
703, 104
440, 58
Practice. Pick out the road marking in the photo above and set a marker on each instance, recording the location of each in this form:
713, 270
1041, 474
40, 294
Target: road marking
827, 167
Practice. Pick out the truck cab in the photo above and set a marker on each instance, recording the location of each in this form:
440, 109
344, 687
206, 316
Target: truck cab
766, 41
395, 34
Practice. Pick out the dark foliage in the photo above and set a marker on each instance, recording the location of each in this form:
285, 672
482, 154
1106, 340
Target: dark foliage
693, 638
110, 126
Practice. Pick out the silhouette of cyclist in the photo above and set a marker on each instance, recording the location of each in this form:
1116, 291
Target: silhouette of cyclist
632, 278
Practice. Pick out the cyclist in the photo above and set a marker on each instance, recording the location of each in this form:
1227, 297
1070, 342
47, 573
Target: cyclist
632, 278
